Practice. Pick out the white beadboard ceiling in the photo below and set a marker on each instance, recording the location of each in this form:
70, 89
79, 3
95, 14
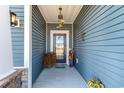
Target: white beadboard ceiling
50, 12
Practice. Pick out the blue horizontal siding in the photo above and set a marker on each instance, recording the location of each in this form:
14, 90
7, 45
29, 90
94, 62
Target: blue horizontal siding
38, 41
18, 36
101, 54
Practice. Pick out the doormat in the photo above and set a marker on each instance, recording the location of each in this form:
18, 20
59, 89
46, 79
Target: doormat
60, 65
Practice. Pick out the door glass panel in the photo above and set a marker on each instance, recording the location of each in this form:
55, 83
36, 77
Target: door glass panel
60, 47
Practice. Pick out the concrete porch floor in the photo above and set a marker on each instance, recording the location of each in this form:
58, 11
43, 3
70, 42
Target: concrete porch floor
60, 78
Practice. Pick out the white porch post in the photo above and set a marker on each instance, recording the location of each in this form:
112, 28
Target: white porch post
28, 43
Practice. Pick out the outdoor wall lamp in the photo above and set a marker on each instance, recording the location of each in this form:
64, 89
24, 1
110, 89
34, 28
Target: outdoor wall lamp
13, 20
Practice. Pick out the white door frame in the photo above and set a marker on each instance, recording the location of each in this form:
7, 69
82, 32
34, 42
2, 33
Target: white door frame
52, 32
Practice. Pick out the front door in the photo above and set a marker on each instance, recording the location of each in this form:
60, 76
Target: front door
59, 47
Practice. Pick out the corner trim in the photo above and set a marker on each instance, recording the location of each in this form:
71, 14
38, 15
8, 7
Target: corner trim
72, 36
28, 42
46, 37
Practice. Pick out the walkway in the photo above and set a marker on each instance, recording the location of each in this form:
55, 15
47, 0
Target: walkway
59, 78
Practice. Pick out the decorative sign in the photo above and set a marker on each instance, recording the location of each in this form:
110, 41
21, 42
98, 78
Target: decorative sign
83, 35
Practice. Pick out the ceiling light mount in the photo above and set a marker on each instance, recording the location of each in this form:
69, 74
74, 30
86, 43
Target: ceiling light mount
60, 16
60, 8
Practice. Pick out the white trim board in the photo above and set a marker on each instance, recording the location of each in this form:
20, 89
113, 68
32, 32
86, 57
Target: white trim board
41, 11
46, 37
52, 32
28, 43
57, 22
72, 36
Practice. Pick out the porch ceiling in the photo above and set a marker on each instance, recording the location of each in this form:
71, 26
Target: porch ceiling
50, 12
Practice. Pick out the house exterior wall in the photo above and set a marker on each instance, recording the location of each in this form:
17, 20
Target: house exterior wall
18, 36
6, 61
99, 44
38, 41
